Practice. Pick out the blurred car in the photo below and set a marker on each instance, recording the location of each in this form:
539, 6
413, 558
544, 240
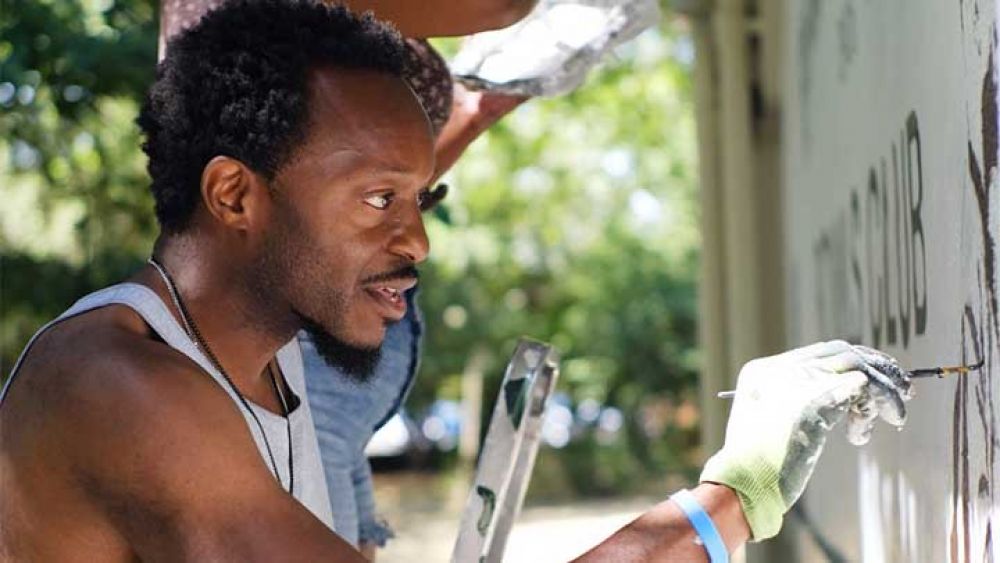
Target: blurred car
403, 441
398, 441
442, 425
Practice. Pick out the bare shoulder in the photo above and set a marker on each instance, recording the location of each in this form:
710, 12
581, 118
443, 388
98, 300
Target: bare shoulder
87, 422
118, 422
96, 387
106, 359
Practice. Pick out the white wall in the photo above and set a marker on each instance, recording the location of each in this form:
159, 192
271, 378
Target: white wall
887, 243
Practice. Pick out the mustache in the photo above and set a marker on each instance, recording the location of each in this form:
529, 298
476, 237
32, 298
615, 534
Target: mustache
406, 272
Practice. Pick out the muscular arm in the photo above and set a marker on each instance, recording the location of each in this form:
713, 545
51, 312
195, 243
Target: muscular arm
444, 18
664, 534
166, 456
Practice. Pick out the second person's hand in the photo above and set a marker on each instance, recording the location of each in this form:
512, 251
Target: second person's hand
783, 408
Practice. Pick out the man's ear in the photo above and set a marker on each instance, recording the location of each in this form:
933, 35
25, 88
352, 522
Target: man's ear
233, 194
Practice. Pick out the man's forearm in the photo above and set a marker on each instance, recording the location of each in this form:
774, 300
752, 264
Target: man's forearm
663, 533
472, 114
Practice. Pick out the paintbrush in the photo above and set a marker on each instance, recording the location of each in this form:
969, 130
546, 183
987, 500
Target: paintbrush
943, 371
914, 374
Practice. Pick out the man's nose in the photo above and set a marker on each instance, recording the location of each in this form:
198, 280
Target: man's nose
410, 238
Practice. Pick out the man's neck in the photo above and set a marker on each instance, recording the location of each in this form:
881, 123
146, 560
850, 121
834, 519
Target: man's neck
242, 333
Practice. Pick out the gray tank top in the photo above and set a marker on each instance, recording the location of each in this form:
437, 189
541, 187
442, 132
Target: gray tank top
310, 484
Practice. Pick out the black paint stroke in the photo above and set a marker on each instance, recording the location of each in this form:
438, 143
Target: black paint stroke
983, 338
917, 222
981, 185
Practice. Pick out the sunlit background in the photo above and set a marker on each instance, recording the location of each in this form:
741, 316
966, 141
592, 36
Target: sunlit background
574, 221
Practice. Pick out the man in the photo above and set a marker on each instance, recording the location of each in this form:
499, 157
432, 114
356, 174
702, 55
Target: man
346, 414
164, 418
289, 163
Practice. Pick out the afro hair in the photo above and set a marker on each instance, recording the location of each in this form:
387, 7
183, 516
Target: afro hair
236, 84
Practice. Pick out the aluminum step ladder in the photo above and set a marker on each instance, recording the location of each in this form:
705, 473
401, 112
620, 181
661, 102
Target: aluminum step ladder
508, 454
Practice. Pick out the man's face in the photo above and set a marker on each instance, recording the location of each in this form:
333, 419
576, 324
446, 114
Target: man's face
346, 229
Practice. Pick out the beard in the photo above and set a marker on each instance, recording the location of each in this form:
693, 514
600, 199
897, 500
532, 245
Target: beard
286, 272
356, 362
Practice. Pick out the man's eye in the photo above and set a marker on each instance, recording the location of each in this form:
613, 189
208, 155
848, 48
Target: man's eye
379, 201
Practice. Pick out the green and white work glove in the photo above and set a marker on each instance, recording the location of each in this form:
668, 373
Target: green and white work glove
783, 408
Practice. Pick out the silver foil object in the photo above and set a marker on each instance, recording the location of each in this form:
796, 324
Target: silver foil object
550, 51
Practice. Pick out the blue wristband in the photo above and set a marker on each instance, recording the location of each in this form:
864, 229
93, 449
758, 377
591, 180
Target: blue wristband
703, 525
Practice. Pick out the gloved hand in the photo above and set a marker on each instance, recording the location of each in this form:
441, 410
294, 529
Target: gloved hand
783, 408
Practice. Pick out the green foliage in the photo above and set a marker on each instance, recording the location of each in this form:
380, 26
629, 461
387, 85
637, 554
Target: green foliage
573, 221
76, 213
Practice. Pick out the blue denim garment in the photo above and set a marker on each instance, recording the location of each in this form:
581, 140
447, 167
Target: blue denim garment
346, 414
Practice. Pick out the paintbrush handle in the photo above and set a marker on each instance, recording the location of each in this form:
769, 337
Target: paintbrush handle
914, 374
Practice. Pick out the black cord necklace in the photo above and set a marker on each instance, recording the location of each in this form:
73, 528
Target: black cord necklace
195, 335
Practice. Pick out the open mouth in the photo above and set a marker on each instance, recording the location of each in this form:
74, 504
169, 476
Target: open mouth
388, 297
390, 293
